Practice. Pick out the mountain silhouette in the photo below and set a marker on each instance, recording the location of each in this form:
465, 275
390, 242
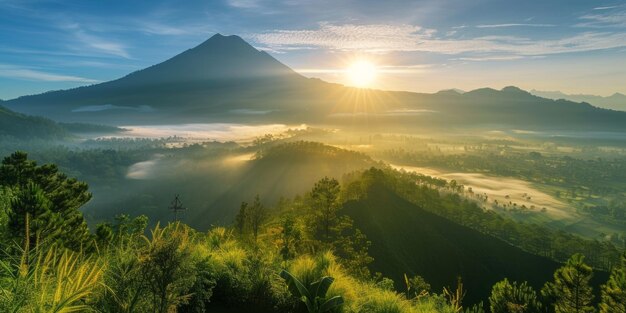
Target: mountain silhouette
616, 101
221, 75
220, 58
226, 79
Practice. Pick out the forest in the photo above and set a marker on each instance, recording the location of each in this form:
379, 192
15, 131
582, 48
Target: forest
301, 255
257, 156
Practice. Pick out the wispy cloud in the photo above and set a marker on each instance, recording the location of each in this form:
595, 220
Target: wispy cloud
604, 20
246, 4
491, 58
375, 37
383, 38
514, 25
606, 7
383, 69
103, 45
158, 28
10, 71
93, 42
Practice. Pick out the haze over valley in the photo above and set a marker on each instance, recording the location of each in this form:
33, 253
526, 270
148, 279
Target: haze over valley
239, 156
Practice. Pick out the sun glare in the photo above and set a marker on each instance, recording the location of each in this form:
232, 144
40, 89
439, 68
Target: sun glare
362, 73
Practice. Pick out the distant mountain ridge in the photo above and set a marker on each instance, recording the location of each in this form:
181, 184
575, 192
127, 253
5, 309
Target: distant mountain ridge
23, 126
225, 78
616, 101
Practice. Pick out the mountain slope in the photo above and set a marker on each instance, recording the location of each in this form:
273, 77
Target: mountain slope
407, 239
616, 101
214, 180
27, 127
221, 75
225, 79
24, 126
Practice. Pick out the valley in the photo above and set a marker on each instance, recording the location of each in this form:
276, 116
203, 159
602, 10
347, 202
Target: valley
368, 165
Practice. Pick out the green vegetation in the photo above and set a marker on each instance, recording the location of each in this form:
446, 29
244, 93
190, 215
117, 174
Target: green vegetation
313, 295
15, 125
281, 266
539, 240
614, 292
594, 185
513, 297
570, 290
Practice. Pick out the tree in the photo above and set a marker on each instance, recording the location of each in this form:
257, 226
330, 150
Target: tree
570, 290
614, 291
30, 217
257, 214
325, 204
337, 232
104, 233
290, 235
51, 200
241, 218
513, 298
167, 267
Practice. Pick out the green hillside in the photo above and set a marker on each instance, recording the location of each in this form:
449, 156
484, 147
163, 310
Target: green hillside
407, 239
24, 126
213, 179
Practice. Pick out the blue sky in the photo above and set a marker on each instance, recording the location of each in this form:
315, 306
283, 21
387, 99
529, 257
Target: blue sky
568, 45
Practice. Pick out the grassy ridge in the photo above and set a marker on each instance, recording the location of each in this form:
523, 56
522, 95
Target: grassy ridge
407, 239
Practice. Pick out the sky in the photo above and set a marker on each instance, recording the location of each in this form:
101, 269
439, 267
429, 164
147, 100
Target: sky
577, 47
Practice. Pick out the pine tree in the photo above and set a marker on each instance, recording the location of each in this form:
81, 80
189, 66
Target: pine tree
241, 218
325, 204
257, 214
509, 297
30, 203
614, 291
570, 289
51, 199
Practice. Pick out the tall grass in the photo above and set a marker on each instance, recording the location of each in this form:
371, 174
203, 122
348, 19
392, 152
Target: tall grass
360, 296
59, 282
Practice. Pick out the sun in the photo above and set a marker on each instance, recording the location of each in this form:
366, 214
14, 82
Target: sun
362, 73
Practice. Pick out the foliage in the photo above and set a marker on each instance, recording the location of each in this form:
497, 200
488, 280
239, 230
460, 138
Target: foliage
49, 281
50, 199
335, 231
177, 269
416, 286
614, 291
313, 295
539, 240
324, 206
570, 289
509, 297
257, 214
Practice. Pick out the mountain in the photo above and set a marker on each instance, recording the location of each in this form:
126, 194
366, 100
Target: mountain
225, 79
616, 101
24, 126
224, 74
27, 127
